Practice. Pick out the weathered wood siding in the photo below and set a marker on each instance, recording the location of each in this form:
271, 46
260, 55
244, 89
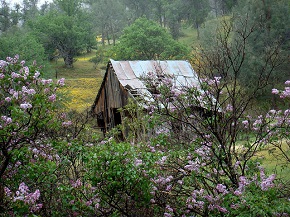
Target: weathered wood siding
112, 96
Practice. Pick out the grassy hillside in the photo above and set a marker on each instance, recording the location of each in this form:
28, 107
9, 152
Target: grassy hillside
82, 81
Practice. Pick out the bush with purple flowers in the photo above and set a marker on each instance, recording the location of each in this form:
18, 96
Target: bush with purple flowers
211, 166
27, 115
195, 152
213, 138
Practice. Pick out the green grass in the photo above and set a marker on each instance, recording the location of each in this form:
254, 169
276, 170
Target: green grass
82, 81
278, 164
189, 37
83, 68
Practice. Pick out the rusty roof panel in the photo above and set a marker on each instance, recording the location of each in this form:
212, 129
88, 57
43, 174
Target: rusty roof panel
147, 66
119, 70
133, 83
128, 72
136, 66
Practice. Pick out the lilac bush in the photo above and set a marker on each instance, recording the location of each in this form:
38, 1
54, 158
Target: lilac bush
23, 198
211, 166
27, 106
215, 133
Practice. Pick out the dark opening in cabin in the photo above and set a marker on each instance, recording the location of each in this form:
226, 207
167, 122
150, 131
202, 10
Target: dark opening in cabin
117, 117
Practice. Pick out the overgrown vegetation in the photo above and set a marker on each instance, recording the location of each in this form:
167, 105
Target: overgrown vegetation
202, 149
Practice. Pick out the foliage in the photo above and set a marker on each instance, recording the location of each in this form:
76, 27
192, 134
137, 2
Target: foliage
109, 22
234, 37
144, 40
22, 42
197, 11
196, 151
67, 33
193, 161
4, 19
49, 165
212, 136
210, 145
272, 18
27, 115
122, 173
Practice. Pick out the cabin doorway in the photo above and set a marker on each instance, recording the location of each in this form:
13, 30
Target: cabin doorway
117, 117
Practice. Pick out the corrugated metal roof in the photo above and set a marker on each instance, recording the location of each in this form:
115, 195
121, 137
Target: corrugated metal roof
129, 72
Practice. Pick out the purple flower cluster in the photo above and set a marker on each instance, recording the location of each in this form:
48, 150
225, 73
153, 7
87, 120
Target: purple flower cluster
41, 151
6, 120
138, 162
266, 182
193, 165
168, 211
284, 93
193, 202
66, 123
23, 194
61, 82
76, 184
25, 106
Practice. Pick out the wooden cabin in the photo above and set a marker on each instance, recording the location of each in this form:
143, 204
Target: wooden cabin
121, 82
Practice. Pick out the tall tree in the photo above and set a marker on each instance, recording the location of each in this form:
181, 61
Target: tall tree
109, 22
159, 8
196, 12
29, 10
69, 7
139, 8
174, 15
16, 14
265, 53
222, 7
272, 18
44, 8
65, 29
145, 39
4, 16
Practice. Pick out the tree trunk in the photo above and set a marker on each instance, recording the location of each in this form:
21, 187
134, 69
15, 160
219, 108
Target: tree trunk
197, 29
5, 162
108, 38
113, 33
68, 61
103, 36
216, 8
114, 39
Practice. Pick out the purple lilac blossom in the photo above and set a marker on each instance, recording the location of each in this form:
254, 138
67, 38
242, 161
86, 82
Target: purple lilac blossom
275, 91
60, 82
138, 162
52, 98
25, 106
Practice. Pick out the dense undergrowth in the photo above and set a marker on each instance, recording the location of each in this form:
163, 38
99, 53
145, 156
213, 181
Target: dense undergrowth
174, 160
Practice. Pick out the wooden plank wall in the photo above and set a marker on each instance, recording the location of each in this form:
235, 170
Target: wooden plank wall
112, 95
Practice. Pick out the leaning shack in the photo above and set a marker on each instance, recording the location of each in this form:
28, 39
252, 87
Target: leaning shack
121, 82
